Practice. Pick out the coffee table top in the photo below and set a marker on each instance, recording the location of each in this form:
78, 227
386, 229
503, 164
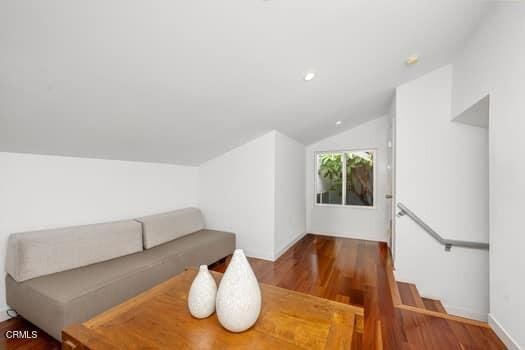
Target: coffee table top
159, 318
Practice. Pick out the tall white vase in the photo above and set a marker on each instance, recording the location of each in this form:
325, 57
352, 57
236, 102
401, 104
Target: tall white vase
203, 291
239, 296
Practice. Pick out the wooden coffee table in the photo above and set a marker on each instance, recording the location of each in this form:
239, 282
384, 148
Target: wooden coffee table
159, 318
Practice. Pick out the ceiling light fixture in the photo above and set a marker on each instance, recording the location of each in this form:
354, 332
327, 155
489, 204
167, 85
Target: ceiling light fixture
338, 122
412, 59
309, 76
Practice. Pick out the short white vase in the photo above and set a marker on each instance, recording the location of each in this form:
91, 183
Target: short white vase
239, 296
203, 290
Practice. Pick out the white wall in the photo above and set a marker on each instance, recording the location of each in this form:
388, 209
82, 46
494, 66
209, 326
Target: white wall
362, 223
238, 195
257, 191
442, 176
40, 192
493, 62
290, 219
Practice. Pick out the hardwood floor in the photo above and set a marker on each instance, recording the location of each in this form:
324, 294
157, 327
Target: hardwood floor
348, 271
42, 342
356, 272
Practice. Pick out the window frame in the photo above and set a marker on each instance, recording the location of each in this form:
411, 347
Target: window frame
343, 205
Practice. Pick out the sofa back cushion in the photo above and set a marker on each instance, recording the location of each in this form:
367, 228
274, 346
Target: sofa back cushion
39, 253
162, 228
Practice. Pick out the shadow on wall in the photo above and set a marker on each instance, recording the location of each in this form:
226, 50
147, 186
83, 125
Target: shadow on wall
477, 114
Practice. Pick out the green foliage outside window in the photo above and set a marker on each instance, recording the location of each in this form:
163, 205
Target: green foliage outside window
330, 170
359, 175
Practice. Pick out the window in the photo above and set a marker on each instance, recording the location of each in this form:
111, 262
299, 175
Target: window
345, 178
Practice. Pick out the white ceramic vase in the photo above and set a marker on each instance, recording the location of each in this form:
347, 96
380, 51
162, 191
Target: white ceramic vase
239, 296
203, 290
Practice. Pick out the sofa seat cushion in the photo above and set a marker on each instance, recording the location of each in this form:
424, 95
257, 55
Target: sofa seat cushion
39, 253
162, 228
57, 300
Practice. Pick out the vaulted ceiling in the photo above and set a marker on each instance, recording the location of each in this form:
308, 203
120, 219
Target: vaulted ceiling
184, 81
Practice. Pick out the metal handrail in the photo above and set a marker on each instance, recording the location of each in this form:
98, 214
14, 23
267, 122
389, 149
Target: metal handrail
448, 243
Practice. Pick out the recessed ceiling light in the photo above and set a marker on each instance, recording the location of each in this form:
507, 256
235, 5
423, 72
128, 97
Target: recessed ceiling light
338, 122
412, 59
309, 76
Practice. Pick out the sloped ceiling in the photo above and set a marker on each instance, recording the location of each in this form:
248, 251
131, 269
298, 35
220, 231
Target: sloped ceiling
184, 81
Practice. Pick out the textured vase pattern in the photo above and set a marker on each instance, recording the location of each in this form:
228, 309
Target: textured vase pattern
239, 296
203, 291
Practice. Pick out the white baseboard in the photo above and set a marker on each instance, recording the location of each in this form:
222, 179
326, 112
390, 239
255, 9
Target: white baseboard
467, 313
3, 314
256, 255
360, 237
286, 247
503, 334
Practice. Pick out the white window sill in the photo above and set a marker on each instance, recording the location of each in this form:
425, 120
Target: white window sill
344, 206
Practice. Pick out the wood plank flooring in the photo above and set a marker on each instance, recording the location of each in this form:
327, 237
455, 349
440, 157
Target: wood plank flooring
355, 272
349, 271
42, 342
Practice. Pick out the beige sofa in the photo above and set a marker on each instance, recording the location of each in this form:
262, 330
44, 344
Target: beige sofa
64, 276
